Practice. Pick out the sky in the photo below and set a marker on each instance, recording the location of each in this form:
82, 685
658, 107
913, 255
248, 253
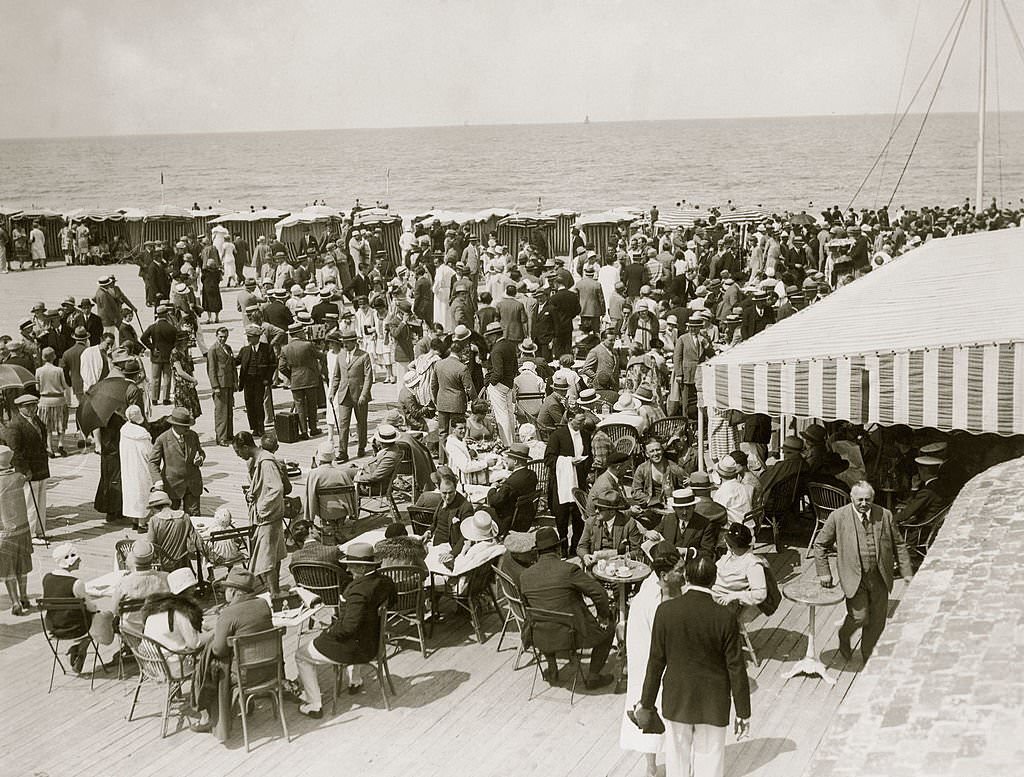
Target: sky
156, 66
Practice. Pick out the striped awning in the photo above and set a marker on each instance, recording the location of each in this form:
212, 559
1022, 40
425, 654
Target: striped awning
743, 216
933, 339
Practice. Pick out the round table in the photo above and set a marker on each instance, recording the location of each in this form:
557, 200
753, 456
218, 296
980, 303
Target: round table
638, 573
807, 590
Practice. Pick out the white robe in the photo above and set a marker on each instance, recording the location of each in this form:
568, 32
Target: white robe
442, 297
91, 366
638, 647
134, 449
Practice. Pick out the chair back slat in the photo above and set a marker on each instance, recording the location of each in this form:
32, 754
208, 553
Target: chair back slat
255, 651
513, 597
409, 583
826, 498
121, 550
617, 432
666, 428
149, 656
540, 469
421, 518
321, 579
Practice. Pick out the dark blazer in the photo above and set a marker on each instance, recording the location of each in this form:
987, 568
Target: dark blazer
521, 482
926, 500
445, 526
560, 444
696, 533
451, 385
159, 338
553, 584
300, 361
352, 638
220, 367
255, 364
277, 313
695, 645
840, 529
753, 322
27, 439
173, 463
624, 534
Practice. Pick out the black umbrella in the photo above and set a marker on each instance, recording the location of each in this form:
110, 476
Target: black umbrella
103, 399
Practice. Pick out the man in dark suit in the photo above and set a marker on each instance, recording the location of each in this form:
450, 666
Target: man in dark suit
635, 276
781, 474
349, 389
564, 306
691, 349
451, 385
448, 515
26, 436
610, 481
570, 443
929, 497
276, 312
86, 318
521, 482
324, 306
255, 373
696, 647
868, 546
609, 527
352, 638
301, 362
758, 316
220, 368
685, 528
553, 584
159, 338
175, 460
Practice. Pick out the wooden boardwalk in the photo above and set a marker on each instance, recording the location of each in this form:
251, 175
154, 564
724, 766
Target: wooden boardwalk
462, 710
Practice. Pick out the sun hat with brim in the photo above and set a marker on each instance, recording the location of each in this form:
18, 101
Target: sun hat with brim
624, 402
142, 553
181, 580
386, 434
85, 303
644, 394
519, 451
700, 480
727, 468
478, 527
26, 399
929, 461
547, 538
64, 555
347, 335
411, 379
253, 331
815, 433
528, 347
158, 499
494, 328
683, 497
461, 333
181, 417
739, 536
587, 397
360, 553
792, 443
937, 449
612, 500
241, 580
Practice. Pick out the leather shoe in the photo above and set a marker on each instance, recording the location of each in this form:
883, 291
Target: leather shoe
845, 648
311, 712
354, 689
599, 681
201, 728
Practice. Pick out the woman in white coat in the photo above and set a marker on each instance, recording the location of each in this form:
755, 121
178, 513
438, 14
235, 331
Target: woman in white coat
664, 584
134, 448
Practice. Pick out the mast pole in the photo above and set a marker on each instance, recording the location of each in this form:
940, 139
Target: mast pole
982, 84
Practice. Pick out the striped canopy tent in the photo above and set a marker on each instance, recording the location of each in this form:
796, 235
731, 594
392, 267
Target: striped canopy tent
50, 221
750, 215
684, 218
166, 223
934, 339
315, 219
102, 224
6, 212
250, 224
485, 221
517, 228
564, 221
390, 225
201, 218
601, 228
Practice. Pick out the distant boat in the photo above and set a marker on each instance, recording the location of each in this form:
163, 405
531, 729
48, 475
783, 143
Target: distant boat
586, 119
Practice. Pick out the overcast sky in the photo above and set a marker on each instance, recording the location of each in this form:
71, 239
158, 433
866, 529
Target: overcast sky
118, 67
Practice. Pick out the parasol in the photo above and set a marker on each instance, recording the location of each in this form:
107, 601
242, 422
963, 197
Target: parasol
100, 402
14, 376
801, 219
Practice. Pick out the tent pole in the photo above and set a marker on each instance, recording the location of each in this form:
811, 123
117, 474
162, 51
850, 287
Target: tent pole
700, 439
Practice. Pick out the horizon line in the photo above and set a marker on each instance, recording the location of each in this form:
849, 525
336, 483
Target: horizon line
467, 124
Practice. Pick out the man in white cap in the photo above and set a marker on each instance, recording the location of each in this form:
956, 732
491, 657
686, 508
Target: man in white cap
26, 437
384, 464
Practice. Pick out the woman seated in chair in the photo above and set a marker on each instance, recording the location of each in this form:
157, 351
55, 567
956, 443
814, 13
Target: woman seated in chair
172, 531
480, 533
174, 620
352, 639
63, 583
398, 549
480, 425
740, 581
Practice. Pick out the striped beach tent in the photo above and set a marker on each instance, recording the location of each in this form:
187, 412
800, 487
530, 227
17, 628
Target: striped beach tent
316, 219
744, 215
564, 220
516, 229
390, 225
166, 223
103, 224
201, 218
685, 218
250, 224
933, 339
601, 227
50, 221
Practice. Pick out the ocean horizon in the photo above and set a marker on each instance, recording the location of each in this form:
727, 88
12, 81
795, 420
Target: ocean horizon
794, 163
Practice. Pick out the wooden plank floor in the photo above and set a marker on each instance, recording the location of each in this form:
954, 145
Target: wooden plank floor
462, 710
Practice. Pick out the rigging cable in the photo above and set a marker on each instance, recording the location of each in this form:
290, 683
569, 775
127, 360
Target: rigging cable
928, 110
961, 14
999, 111
899, 99
1013, 29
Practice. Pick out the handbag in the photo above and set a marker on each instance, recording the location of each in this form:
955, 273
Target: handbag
651, 722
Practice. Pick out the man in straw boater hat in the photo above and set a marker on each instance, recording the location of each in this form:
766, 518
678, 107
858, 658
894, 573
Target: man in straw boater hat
175, 460
26, 436
553, 584
389, 456
691, 349
348, 390
352, 638
521, 482
500, 378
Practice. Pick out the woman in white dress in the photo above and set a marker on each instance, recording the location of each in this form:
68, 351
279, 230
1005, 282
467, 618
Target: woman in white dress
665, 583
134, 448
442, 297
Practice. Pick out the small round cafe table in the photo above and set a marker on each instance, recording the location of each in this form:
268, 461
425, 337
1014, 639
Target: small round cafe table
807, 590
638, 573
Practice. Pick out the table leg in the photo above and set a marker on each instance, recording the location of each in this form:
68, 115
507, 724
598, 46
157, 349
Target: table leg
810, 665
620, 636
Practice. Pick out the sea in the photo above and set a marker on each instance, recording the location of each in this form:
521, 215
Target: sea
806, 163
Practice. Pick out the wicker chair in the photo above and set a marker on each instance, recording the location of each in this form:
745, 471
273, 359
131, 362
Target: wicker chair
121, 550
579, 496
824, 499
409, 607
380, 663
421, 519
152, 660
257, 653
321, 579
381, 494
671, 426
515, 612
540, 469
616, 432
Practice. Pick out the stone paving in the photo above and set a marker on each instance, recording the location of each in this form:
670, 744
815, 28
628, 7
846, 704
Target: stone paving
944, 692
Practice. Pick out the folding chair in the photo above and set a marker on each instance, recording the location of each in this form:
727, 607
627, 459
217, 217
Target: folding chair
243, 535
256, 654
409, 607
74, 610
552, 633
125, 607
824, 499
152, 659
380, 663
514, 613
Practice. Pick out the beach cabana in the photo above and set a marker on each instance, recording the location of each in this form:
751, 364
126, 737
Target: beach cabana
683, 218
50, 221
518, 228
315, 219
879, 350
601, 228
103, 224
564, 221
485, 221
6, 212
390, 225
250, 224
201, 218
166, 223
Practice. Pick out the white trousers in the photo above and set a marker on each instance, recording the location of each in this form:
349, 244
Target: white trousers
694, 750
35, 496
500, 397
307, 659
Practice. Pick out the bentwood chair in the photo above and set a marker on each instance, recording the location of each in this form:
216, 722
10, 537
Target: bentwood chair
579, 496
378, 498
161, 666
780, 501
258, 666
71, 610
515, 612
824, 499
920, 535
421, 519
379, 664
553, 632
409, 607
540, 469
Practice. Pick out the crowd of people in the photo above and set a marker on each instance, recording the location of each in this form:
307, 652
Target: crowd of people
546, 408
